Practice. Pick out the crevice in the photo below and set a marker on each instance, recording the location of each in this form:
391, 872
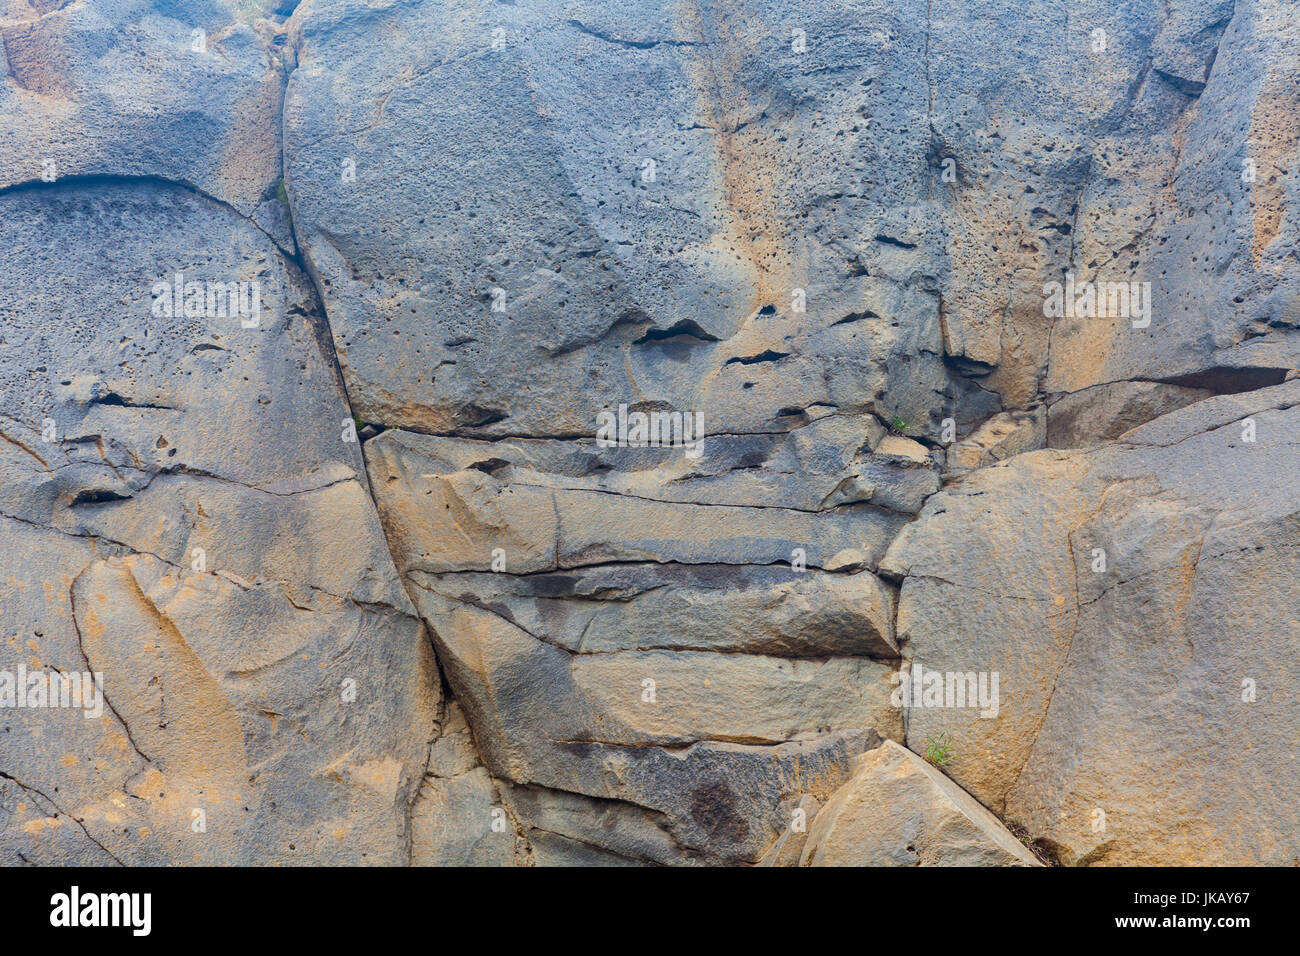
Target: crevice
81, 646
1065, 658
855, 317
641, 562
757, 651
1234, 420
898, 243
1229, 380
631, 44
686, 331
323, 333
846, 507
114, 398
590, 439
766, 356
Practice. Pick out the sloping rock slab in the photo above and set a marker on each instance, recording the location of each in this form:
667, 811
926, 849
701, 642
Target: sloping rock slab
897, 810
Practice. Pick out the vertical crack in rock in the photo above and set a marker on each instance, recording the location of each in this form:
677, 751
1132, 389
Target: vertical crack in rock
81, 646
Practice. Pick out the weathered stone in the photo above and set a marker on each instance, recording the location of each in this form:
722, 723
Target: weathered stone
523, 498
568, 829
1127, 596
900, 475
788, 847
663, 219
711, 742
175, 499
670, 676
724, 608
1002, 436
1095, 415
179, 91
837, 235
968, 568
459, 818
897, 810
1197, 214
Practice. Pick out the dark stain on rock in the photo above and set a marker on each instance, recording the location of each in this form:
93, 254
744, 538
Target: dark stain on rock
713, 807
554, 585
497, 608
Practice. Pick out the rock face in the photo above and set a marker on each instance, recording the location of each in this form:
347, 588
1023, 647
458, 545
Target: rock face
180, 514
652, 210
652, 667
457, 818
569, 433
1131, 603
897, 810
1103, 412
187, 92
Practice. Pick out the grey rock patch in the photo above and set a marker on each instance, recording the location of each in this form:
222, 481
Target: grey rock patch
174, 490
117, 88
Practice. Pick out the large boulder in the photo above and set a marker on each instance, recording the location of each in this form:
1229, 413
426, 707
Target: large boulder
897, 810
1128, 597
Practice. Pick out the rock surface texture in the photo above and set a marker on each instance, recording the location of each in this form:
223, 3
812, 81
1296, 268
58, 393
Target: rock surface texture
677, 433
897, 810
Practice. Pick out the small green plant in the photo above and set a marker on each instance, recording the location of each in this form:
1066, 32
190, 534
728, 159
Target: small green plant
898, 425
938, 750
1040, 851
